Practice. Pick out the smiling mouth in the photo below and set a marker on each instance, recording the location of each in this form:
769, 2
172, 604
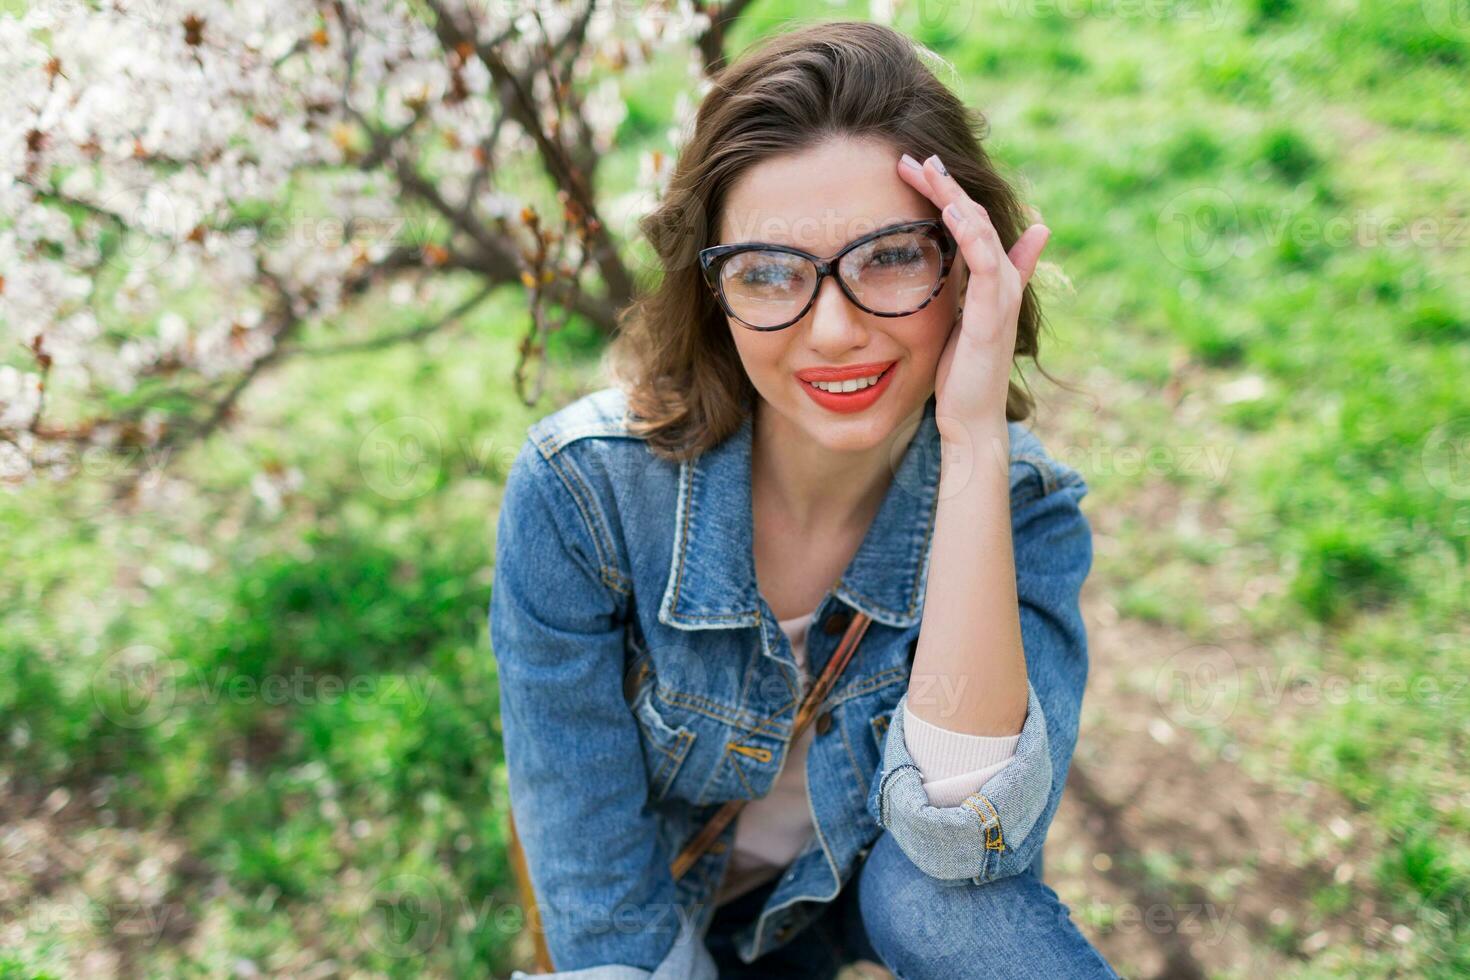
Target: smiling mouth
851, 384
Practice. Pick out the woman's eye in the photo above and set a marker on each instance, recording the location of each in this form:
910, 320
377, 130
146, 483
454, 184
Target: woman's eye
765, 275
889, 257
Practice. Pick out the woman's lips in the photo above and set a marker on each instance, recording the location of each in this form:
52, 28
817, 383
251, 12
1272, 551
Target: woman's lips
851, 401
844, 372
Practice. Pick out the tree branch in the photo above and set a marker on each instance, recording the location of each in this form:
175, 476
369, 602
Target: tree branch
417, 332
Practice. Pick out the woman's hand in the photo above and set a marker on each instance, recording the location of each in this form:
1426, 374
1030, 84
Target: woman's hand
975, 367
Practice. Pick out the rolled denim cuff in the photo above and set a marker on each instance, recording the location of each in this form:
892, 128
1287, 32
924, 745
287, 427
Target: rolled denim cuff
965, 841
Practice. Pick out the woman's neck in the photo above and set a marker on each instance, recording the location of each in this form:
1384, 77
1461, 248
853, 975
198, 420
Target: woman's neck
818, 488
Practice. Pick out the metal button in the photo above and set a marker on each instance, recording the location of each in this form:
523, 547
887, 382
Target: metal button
837, 622
824, 722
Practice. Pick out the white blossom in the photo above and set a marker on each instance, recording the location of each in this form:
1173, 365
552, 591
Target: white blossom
183, 180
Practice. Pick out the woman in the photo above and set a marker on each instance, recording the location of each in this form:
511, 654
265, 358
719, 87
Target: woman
790, 445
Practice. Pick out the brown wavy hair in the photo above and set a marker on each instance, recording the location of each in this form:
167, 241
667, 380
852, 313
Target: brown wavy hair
672, 352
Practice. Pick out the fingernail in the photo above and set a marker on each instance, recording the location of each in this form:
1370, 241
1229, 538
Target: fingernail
953, 213
909, 161
939, 164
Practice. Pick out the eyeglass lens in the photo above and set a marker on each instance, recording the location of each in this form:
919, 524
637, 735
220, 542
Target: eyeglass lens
894, 273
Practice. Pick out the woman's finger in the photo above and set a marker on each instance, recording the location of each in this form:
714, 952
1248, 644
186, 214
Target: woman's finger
931, 179
976, 219
1027, 251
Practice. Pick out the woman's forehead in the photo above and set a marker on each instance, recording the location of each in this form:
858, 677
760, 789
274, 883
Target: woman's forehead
822, 234
821, 197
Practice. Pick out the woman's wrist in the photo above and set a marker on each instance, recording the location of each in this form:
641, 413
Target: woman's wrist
972, 450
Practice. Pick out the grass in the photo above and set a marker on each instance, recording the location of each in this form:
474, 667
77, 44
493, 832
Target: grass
1232, 197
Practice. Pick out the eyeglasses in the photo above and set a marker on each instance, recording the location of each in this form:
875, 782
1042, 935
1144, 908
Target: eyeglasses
894, 271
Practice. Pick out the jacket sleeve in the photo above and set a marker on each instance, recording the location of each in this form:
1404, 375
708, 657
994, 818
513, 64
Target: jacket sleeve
998, 830
577, 777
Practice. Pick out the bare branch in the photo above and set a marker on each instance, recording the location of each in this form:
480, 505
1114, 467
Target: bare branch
722, 17
517, 100
417, 332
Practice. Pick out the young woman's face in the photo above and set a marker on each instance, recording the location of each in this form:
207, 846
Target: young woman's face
818, 200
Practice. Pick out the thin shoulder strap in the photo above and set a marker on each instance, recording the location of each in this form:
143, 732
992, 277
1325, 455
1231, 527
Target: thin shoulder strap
804, 714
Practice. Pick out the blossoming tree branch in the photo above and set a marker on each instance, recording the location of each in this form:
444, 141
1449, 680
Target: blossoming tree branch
193, 191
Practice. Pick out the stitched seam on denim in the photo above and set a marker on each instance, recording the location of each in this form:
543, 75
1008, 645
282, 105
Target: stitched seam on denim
770, 725
656, 778
687, 618
670, 751
884, 804
867, 602
878, 681
914, 597
601, 536
592, 527
880, 731
882, 797
685, 738
559, 438
997, 843
826, 852
852, 757
720, 713
686, 497
652, 737
735, 765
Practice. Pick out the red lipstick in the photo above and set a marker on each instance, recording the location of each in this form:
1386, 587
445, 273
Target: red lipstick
849, 401
843, 372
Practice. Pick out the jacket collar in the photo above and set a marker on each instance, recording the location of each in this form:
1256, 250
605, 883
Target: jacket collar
712, 582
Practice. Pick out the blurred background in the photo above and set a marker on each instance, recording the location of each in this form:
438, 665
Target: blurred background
282, 286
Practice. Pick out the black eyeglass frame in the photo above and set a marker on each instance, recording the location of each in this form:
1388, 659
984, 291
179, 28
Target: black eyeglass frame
712, 258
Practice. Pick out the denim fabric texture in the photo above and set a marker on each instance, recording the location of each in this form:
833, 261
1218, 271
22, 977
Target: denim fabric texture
891, 913
644, 681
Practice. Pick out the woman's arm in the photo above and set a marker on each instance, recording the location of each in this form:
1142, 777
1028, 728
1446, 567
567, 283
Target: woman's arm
578, 781
997, 831
969, 668
969, 659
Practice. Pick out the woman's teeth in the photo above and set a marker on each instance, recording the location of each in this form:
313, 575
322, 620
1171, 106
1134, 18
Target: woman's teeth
851, 384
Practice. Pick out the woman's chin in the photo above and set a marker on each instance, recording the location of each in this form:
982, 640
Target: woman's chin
859, 432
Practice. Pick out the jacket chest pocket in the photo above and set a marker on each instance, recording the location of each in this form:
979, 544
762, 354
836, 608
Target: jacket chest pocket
665, 747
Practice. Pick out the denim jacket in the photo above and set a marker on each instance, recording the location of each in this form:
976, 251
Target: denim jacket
644, 681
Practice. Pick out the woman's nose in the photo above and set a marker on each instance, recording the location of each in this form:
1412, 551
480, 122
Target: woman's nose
836, 324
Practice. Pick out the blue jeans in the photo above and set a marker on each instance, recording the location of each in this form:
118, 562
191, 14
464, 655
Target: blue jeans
892, 913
